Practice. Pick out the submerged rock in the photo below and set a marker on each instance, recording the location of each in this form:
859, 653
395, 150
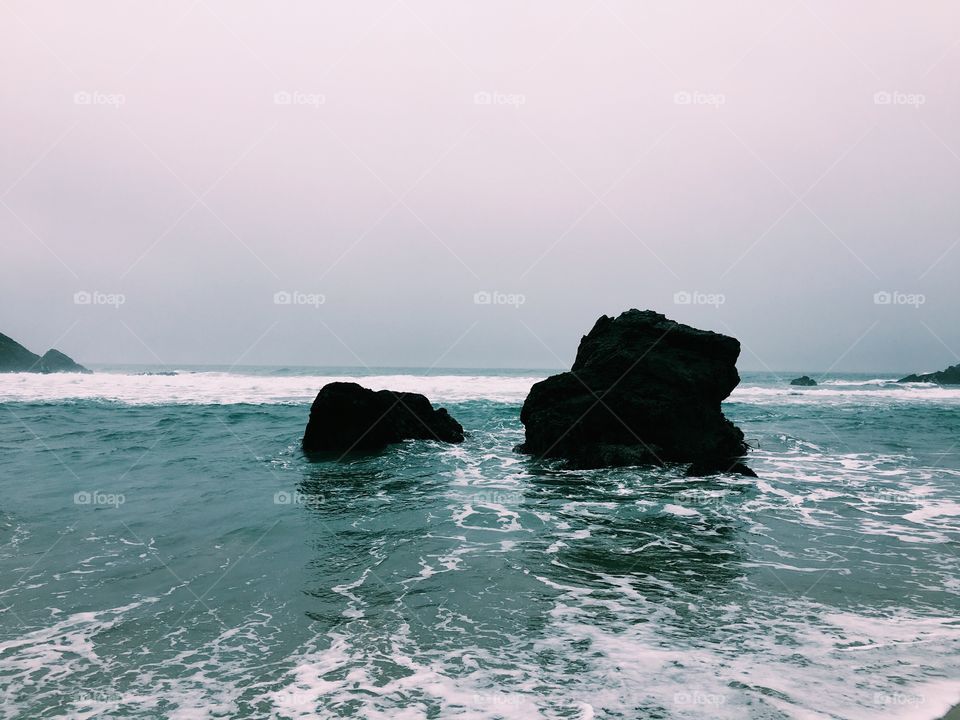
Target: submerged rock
950, 376
14, 357
54, 361
804, 380
346, 416
643, 390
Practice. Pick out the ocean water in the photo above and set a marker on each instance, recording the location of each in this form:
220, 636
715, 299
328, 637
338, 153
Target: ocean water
167, 552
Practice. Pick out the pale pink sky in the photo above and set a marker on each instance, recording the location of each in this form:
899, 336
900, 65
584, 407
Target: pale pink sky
777, 164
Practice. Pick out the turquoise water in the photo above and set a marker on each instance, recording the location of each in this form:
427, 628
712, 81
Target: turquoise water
167, 552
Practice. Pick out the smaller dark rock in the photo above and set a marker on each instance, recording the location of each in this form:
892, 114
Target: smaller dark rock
805, 381
950, 376
54, 361
347, 417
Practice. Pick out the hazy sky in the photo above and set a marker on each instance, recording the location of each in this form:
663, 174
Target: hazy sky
762, 169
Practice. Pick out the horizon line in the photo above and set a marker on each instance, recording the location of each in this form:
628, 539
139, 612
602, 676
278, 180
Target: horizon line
368, 368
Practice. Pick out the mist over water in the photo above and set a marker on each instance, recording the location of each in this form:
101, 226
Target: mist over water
175, 555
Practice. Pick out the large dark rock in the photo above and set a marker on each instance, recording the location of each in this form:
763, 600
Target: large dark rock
14, 357
950, 376
804, 381
643, 390
346, 417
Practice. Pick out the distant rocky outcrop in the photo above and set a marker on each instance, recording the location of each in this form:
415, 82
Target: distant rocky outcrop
14, 357
346, 417
643, 390
54, 361
804, 381
950, 376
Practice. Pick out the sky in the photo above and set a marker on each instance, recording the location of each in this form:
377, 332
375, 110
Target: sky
438, 184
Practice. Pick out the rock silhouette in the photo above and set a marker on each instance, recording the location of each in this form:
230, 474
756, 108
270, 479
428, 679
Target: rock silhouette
347, 417
643, 390
950, 376
804, 381
14, 357
54, 361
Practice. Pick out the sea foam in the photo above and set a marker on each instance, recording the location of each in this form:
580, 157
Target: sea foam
227, 388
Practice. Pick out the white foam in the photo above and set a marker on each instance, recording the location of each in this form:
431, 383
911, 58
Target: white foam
208, 387
844, 393
934, 510
679, 510
222, 388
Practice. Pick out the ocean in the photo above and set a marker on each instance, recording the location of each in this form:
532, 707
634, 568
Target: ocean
168, 552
